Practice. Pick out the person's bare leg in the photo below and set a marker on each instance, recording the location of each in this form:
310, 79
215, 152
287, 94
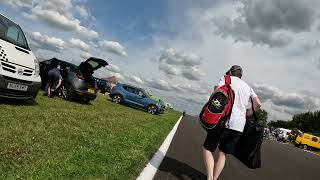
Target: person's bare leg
209, 163
49, 91
59, 83
219, 165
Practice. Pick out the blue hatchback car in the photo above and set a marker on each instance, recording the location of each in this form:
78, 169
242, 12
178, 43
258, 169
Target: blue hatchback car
135, 96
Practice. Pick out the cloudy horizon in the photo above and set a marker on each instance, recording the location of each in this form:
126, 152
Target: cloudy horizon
179, 49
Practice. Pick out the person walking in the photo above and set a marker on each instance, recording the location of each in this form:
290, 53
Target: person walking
54, 81
227, 139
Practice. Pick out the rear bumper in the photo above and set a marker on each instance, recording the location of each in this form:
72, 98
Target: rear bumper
85, 95
32, 91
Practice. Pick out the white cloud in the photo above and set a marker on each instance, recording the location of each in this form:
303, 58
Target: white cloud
193, 73
135, 79
287, 102
55, 13
85, 55
158, 84
113, 68
119, 76
114, 47
174, 63
61, 21
169, 69
41, 41
77, 43
173, 57
82, 11
272, 22
16, 4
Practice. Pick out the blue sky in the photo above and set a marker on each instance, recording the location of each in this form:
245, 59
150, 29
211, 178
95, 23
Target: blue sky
178, 49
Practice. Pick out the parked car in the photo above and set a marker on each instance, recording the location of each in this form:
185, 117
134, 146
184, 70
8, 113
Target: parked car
135, 96
157, 100
307, 141
19, 68
78, 82
104, 86
282, 134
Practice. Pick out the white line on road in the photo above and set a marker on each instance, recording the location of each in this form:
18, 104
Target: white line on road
150, 170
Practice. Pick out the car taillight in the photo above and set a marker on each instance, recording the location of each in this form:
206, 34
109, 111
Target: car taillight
80, 77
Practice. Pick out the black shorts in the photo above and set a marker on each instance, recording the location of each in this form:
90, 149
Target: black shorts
227, 139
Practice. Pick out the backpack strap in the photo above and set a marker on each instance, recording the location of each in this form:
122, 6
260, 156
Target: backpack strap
227, 79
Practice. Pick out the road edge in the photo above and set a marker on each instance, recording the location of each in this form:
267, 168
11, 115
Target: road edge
152, 167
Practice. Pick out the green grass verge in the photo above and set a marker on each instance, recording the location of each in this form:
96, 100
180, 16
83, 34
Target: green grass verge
57, 139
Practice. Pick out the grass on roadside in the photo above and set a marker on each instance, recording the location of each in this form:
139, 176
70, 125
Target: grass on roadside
55, 139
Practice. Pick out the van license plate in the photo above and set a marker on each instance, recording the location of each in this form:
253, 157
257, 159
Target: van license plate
18, 87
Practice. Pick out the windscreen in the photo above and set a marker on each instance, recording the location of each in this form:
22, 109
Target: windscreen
12, 33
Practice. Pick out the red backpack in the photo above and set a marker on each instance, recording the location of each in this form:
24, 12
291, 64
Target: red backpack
218, 109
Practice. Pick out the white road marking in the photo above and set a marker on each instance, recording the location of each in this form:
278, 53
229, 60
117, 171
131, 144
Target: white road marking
150, 170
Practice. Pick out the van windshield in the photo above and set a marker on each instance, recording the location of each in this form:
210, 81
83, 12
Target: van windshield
11, 32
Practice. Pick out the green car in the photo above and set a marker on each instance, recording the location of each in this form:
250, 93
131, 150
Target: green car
163, 104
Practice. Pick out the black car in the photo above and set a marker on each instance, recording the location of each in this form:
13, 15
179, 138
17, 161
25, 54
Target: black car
103, 85
78, 82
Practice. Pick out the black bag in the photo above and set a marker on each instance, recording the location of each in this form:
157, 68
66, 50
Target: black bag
249, 147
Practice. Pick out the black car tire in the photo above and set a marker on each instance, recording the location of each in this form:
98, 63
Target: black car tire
117, 99
67, 91
152, 109
305, 147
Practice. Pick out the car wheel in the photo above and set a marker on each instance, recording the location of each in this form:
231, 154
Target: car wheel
117, 99
152, 109
67, 91
305, 147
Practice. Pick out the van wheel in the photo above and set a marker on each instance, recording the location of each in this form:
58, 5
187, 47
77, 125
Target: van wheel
305, 147
152, 109
67, 91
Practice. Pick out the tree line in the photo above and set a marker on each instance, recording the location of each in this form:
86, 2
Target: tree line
306, 122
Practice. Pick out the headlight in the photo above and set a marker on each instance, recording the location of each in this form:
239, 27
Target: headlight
37, 68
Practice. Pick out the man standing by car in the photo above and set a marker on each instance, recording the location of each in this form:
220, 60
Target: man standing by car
54, 81
230, 135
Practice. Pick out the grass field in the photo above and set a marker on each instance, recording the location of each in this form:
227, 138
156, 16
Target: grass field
57, 139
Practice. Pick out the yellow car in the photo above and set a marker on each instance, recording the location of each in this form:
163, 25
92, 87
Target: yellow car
307, 141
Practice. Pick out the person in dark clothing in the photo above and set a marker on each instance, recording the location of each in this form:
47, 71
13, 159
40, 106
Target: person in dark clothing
54, 81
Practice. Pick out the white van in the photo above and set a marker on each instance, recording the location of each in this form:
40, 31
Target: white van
282, 134
19, 68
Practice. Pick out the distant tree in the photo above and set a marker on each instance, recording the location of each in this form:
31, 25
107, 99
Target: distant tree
306, 122
262, 116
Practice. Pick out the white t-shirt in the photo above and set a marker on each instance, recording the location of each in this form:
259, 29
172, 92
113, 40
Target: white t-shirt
242, 92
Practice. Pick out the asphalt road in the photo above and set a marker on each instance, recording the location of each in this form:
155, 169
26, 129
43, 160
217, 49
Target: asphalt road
279, 161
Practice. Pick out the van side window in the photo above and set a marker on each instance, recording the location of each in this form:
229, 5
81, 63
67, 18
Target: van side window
314, 139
